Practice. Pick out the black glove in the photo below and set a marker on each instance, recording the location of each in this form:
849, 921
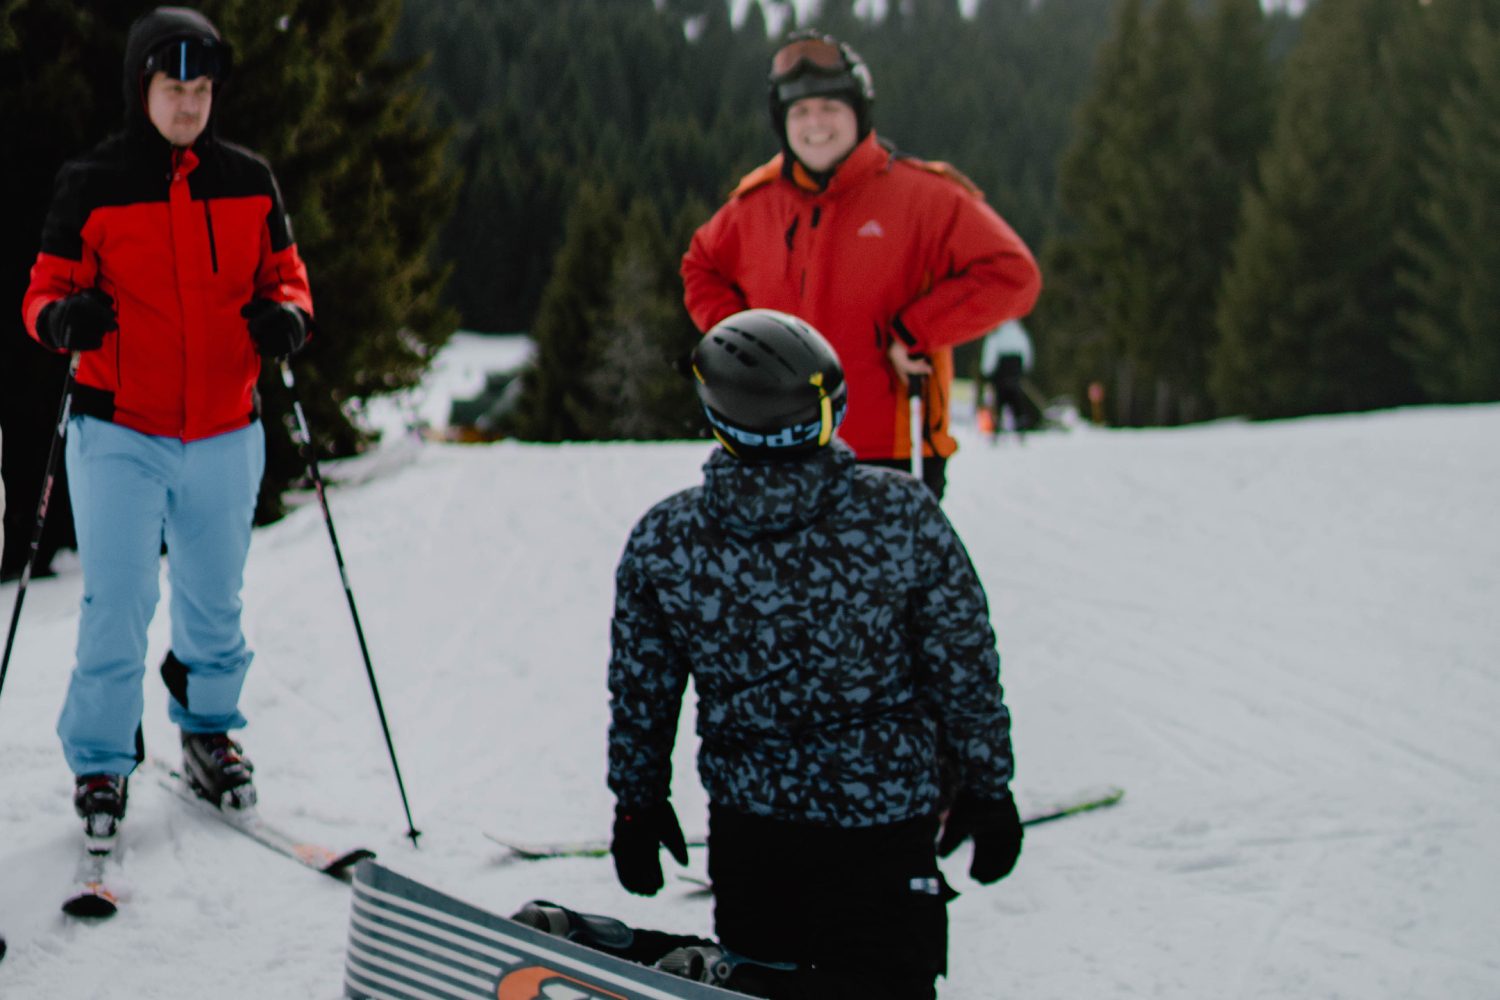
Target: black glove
279, 329
78, 322
996, 828
638, 835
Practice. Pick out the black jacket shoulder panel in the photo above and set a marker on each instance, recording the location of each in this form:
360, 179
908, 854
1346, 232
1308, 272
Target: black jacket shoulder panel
123, 171
227, 170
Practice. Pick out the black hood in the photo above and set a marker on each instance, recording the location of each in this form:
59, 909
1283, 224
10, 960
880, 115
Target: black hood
151, 30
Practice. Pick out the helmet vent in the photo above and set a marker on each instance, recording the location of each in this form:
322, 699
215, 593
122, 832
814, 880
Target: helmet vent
770, 351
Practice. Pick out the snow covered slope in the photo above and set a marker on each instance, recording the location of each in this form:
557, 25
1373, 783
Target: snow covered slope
1282, 639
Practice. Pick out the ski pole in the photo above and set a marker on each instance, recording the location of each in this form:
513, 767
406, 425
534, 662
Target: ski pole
916, 385
305, 445
64, 410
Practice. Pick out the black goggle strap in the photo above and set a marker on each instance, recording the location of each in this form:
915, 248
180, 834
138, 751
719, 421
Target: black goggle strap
816, 85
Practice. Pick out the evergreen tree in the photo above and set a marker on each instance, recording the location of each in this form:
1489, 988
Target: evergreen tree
644, 340
558, 402
1167, 318
1084, 341
1134, 180
1034, 62
361, 169
60, 89
1455, 255
1227, 124
1307, 317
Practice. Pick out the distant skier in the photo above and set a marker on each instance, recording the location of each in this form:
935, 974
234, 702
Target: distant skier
167, 262
839, 642
1004, 359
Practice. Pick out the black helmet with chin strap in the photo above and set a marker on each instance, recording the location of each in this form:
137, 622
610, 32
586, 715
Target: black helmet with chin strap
772, 387
812, 64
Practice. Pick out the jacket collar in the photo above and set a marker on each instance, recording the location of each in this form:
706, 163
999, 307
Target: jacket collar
754, 499
868, 157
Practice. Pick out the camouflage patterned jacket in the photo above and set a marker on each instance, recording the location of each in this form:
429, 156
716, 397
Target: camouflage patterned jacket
835, 631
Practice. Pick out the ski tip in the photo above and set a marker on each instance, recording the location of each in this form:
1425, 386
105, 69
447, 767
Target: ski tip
342, 867
94, 903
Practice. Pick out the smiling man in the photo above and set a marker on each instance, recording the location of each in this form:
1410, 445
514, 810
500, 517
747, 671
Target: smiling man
167, 268
895, 259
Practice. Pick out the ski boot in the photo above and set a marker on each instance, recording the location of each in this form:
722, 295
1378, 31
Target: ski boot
218, 770
99, 799
700, 963
590, 929
718, 966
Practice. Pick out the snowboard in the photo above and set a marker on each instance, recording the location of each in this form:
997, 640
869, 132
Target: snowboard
410, 942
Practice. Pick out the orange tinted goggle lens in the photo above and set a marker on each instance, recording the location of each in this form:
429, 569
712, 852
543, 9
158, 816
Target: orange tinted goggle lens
819, 53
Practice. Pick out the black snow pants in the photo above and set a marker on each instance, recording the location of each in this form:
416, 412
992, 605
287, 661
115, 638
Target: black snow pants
861, 913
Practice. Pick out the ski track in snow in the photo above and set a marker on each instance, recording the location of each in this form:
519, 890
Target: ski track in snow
1279, 638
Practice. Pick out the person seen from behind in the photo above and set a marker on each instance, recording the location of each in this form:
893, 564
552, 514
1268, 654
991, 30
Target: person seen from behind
1004, 359
839, 642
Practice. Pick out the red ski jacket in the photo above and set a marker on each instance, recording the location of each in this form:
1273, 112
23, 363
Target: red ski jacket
181, 240
893, 246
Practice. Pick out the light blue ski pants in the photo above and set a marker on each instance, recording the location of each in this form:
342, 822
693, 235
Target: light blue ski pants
131, 491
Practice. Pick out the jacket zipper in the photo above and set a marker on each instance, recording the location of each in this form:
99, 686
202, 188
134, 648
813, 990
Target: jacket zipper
213, 248
817, 215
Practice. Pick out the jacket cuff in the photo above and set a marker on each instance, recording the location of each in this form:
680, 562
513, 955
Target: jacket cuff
899, 329
44, 328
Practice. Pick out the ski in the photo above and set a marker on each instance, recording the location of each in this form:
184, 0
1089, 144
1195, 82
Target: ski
335, 864
95, 892
519, 850
1082, 804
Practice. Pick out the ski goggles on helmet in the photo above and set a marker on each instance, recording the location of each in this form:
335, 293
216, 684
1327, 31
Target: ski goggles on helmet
814, 66
188, 59
817, 55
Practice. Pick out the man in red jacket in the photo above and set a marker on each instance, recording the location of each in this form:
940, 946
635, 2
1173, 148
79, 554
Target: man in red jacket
167, 267
894, 259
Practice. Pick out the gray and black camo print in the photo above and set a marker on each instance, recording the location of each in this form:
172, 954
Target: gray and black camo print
835, 631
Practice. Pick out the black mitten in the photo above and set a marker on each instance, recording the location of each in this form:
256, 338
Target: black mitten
639, 833
995, 826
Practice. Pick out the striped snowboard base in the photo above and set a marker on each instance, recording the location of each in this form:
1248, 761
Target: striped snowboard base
410, 942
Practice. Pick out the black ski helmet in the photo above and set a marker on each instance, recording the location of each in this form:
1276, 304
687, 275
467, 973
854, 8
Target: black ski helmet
812, 64
772, 387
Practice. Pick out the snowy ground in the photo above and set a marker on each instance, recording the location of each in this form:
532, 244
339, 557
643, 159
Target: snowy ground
1282, 640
